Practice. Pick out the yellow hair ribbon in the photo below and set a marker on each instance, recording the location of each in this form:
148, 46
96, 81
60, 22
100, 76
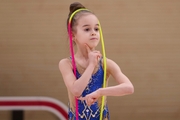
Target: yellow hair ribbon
72, 15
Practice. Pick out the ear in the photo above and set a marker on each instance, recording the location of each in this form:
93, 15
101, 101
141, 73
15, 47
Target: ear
73, 36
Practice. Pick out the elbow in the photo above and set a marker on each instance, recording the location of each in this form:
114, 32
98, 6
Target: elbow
76, 92
130, 89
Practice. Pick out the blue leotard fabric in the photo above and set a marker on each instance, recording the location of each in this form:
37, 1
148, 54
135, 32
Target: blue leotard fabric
90, 112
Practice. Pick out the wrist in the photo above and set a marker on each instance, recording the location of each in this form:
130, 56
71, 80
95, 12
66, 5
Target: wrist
91, 65
99, 92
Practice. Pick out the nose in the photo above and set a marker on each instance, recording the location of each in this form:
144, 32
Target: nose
93, 33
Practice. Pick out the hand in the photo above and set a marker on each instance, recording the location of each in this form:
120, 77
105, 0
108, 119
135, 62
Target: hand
94, 56
91, 98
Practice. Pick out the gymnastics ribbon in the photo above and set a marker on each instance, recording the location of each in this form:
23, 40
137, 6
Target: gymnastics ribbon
73, 59
104, 63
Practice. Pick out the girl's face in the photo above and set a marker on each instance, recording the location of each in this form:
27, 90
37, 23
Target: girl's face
87, 31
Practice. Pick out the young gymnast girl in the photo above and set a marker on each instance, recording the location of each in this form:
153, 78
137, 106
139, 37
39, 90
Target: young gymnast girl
86, 85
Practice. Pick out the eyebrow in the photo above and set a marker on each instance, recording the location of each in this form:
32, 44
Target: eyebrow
89, 25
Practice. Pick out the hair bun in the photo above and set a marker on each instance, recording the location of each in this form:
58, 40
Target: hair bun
75, 6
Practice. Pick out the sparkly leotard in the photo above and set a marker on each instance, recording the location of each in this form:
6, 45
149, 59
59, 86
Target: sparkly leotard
90, 112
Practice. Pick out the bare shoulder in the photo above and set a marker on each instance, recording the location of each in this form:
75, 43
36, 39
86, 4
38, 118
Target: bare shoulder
111, 63
65, 63
112, 66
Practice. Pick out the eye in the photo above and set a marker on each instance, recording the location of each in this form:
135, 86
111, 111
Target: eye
87, 29
96, 29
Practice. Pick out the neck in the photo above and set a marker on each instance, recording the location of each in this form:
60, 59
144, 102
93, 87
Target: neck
82, 53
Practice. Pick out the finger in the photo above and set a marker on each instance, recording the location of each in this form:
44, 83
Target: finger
99, 56
87, 48
96, 51
81, 98
89, 103
93, 101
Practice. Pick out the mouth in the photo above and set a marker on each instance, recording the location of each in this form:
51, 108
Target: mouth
94, 39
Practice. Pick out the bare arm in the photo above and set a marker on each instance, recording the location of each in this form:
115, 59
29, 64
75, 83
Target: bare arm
124, 86
76, 87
